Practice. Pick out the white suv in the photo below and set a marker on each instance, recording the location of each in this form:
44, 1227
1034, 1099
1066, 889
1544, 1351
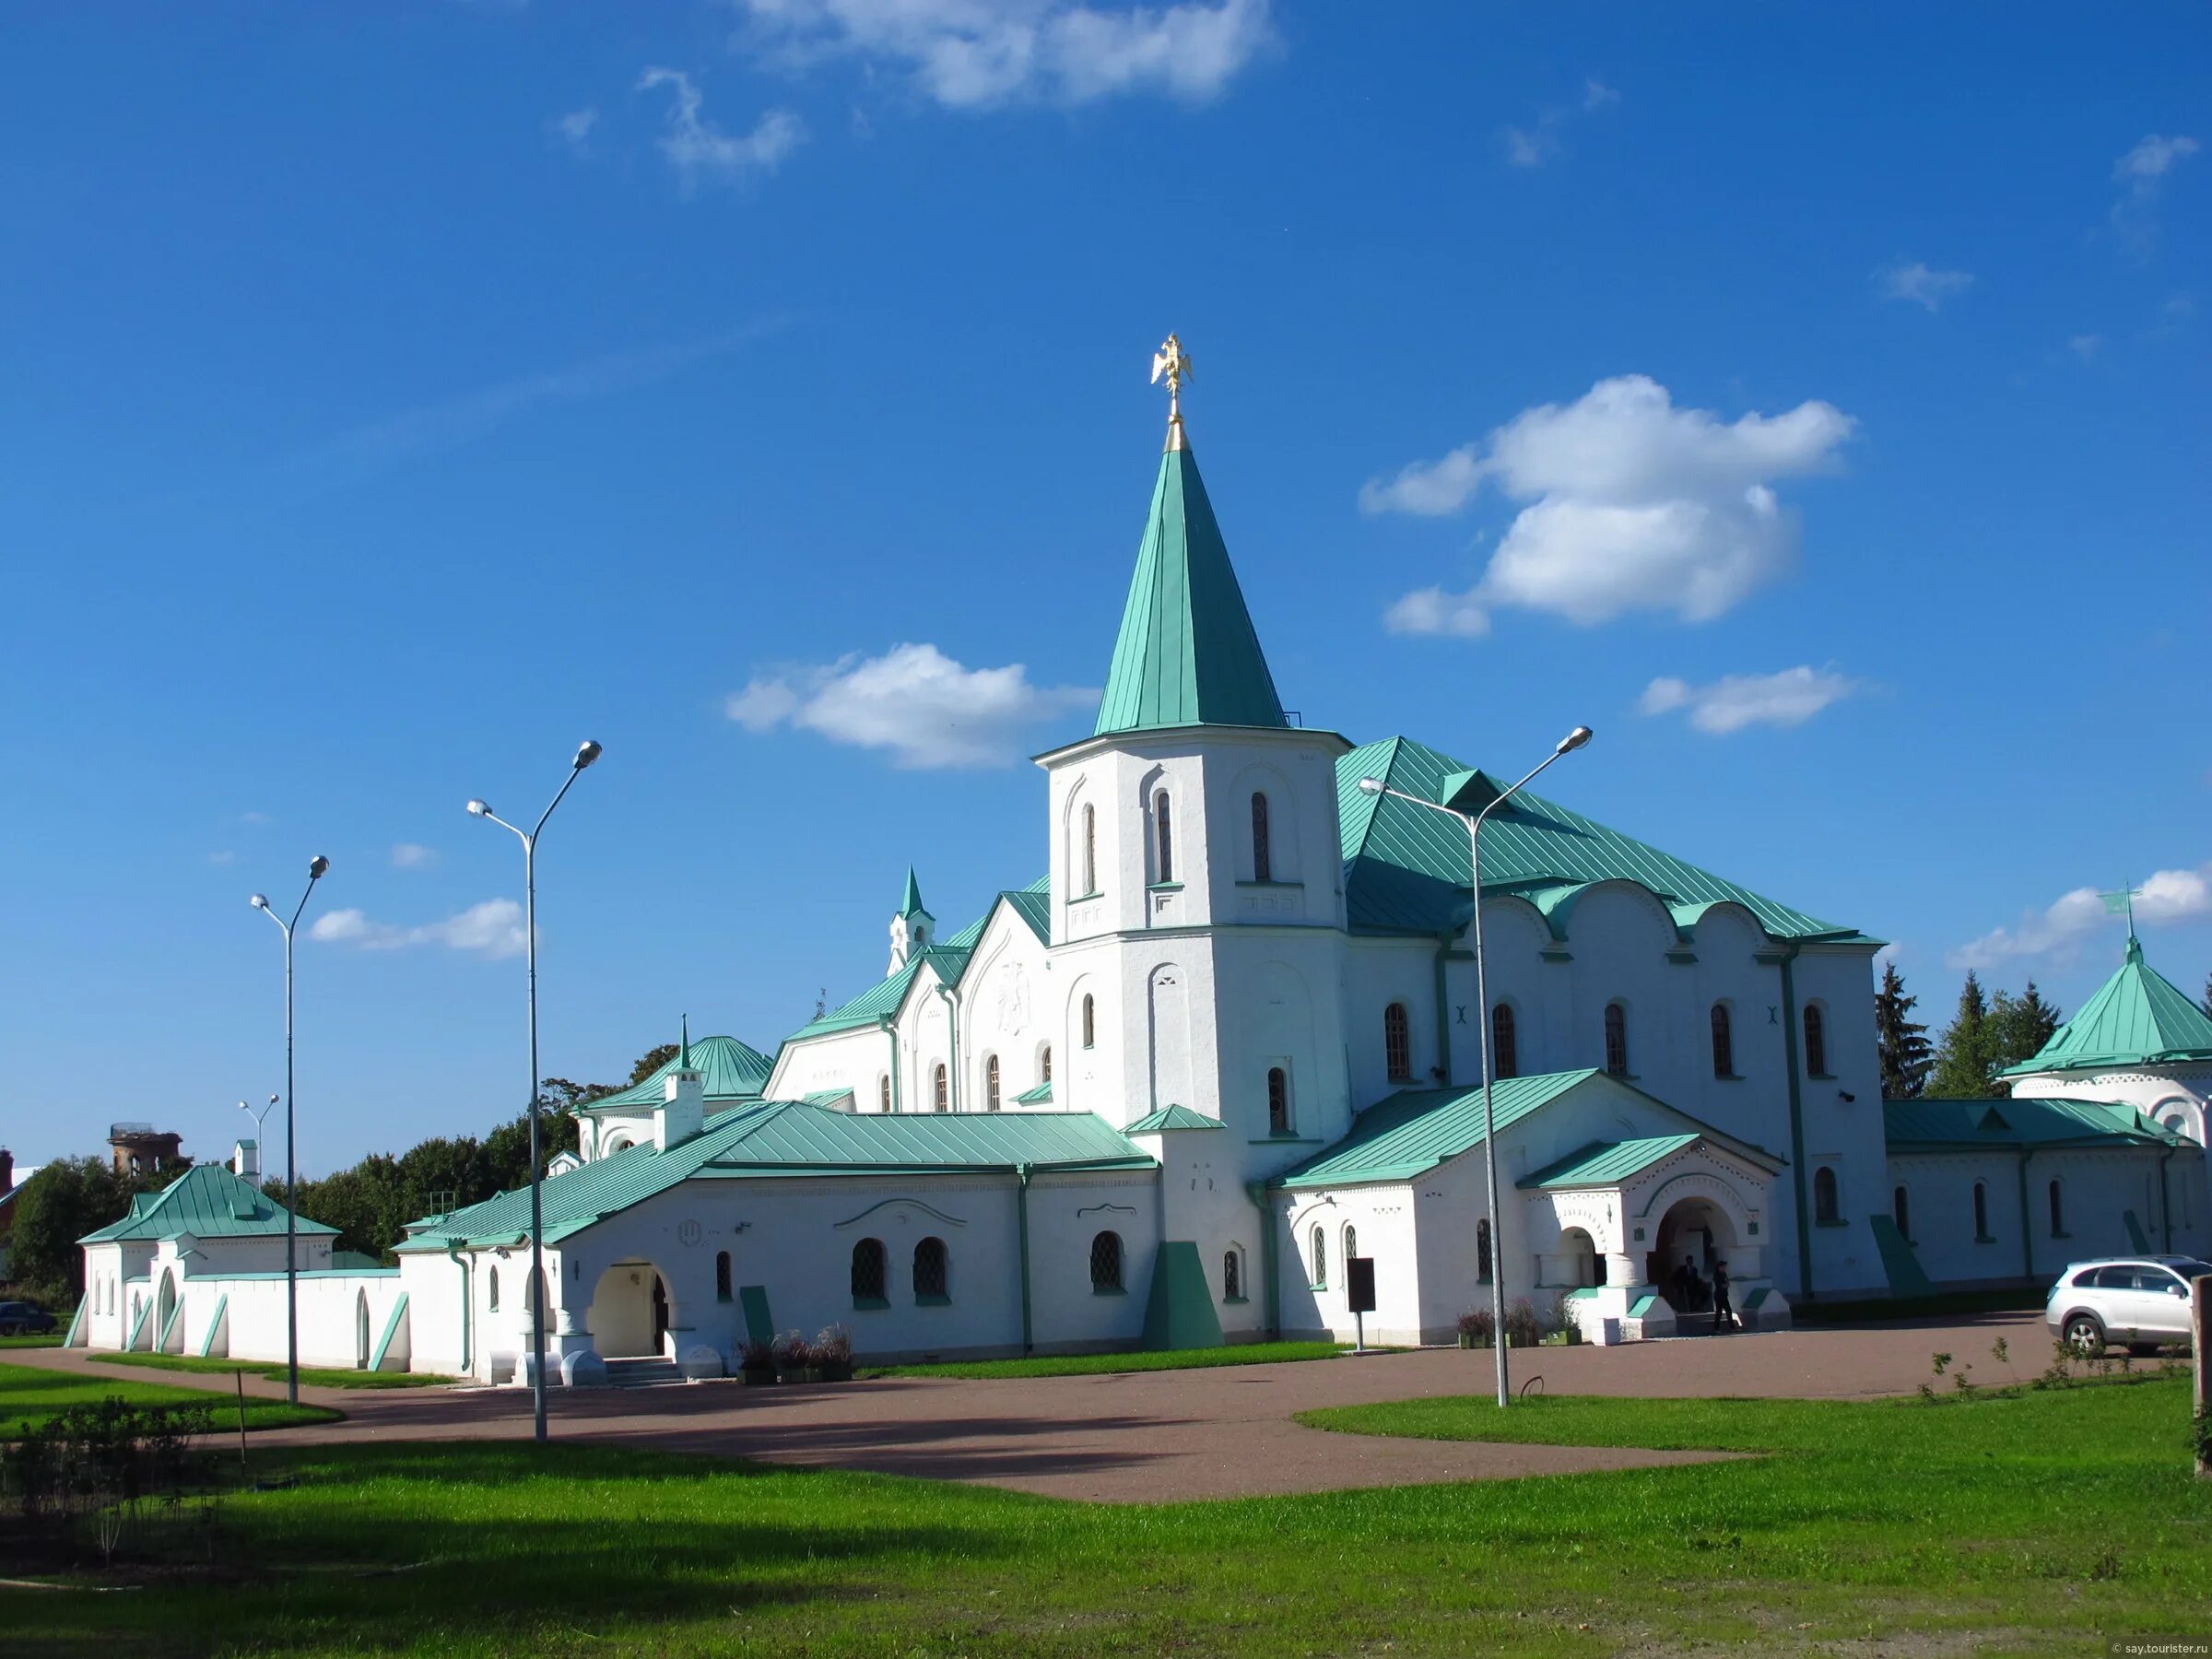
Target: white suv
2140, 1300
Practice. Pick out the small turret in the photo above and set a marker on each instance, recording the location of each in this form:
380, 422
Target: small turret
911, 928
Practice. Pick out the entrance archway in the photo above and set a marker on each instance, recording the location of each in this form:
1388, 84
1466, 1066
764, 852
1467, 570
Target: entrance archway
1694, 1237
360, 1330
1579, 1258
165, 1307
629, 1317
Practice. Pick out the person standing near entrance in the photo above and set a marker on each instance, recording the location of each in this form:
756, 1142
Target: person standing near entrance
1722, 1314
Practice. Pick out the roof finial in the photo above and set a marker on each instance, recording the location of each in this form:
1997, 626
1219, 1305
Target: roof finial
684, 1059
1172, 361
2123, 903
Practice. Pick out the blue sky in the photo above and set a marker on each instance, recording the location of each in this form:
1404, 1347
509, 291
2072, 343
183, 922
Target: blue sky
1810, 400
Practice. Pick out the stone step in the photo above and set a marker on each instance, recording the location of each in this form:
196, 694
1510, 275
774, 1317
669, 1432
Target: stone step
643, 1373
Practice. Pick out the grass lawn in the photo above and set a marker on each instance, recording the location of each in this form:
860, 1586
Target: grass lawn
275, 1374
53, 1339
2057, 1522
1090, 1365
32, 1394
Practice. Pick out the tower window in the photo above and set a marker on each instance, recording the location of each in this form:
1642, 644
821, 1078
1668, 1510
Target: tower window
1617, 1039
1815, 1043
1397, 1043
991, 1084
1723, 1044
1505, 1048
1044, 1065
943, 1080
1090, 1021
1278, 1101
883, 1092
1263, 860
1164, 833
1826, 1206
1090, 849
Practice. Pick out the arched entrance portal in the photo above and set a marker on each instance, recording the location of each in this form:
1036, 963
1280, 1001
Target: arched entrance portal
165, 1308
1579, 1263
1694, 1237
629, 1317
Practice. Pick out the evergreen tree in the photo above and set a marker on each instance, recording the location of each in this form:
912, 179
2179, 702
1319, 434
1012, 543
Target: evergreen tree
2019, 1026
1966, 1063
2208, 1001
1905, 1051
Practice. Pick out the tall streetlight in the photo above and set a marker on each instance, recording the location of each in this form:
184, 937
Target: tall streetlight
259, 1118
1375, 786
585, 755
317, 868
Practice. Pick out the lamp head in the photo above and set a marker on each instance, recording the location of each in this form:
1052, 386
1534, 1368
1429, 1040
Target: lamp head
318, 867
271, 1100
1371, 786
588, 753
479, 809
244, 1107
1574, 740
260, 901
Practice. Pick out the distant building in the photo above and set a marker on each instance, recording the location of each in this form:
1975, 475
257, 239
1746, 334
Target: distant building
142, 1149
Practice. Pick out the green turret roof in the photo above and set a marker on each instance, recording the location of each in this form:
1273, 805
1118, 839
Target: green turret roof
207, 1202
730, 1071
911, 904
1186, 655
2139, 1017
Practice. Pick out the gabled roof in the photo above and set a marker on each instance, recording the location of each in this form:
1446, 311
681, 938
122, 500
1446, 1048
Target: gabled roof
2139, 1016
2014, 1123
206, 1202
947, 957
1039, 1095
792, 1139
1606, 1163
1186, 654
730, 1070
1173, 1117
1406, 868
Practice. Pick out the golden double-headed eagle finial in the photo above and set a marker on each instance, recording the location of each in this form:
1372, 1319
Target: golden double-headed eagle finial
1172, 364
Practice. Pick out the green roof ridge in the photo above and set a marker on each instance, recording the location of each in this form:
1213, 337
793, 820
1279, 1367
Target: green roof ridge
1188, 654
1173, 1117
2137, 1016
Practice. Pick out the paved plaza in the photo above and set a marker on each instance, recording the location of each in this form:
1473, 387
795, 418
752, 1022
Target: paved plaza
1162, 1436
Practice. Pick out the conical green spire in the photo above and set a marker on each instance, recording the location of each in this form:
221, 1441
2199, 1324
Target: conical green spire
1187, 655
911, 904
2139, 1016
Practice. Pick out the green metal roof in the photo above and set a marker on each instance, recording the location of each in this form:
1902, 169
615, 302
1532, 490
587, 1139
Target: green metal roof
1607, 1163
1171, 1117
793, 1138
2015, 1123
1038, 1096
1416, 1129
1188, 654
207, 1202
729, 1070
2139, 1016
910, 902
1406, 868
948, 957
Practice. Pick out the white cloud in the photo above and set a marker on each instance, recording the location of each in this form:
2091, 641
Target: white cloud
2141, 175
253, 818
412, 856
1534, 145
2169, 895
697, 149
2085, 346
1633, 504
1921, 284
967, 55
225, 857
913, 700
574, 129
1735, 700
493, 928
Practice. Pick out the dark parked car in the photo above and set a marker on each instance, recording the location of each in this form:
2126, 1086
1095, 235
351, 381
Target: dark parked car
20, 1319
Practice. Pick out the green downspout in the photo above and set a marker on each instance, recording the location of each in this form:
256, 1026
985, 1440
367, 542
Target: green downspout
468, 1291
891, 1031
1789, 1051
2165, 1202
1257, 1192
2027, 1226
1021, 1213
1444, 1014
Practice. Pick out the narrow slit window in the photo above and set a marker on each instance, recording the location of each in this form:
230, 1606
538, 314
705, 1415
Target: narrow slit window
1397, 1043
1505, 1048
1262, 855
1724, 1043
1163, 829
1617, 1039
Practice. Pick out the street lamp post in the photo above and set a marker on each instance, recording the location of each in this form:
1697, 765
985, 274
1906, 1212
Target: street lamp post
260, 1134
1474, 821
317, 868
585, 755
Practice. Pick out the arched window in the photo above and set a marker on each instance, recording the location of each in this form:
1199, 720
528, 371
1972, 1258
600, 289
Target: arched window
1824, 1196
991, 1083
883, 1093
1397, 1043
1617, 1039
1106, 1262
1262, 859
1482, 1251
1090, 1021
2058, 1215
1320, 1259
491, 1289
868, 1274
1164, 834
1723, 1043
1044, 1065
1232, 1278
943, 1081
1090, 850
1278, 1101
1815, 1042
1505, 1046
1351, 1242
933, 1277
1901, 1213
722, 1276
1980, 1210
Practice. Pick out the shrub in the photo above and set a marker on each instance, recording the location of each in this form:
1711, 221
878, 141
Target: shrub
98, 1469
832, 1346
791, 1352
1522, 1328
1478, 1323
755, 1355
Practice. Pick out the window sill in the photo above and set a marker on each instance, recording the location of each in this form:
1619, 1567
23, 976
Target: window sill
1285, 1140
726, 1300
1271, 884
1728, 1077
2060, 1235
1984, 1238
1819, 1077
869, 1304
1164, 887
1107, 1291
1235, 1301
1317, 1288
1838, 1222
933, 1301
1086, 897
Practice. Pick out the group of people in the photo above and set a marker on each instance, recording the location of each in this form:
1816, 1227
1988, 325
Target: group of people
1691, 1292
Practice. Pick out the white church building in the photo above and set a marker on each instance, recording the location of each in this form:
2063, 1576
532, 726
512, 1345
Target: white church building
1229, 1040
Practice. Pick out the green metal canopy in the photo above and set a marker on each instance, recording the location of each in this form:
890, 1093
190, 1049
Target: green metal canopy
730, 1071
2137, 1017
207, 1202
1187, 655
1173, 1117
1606, 1163
2010, 1124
